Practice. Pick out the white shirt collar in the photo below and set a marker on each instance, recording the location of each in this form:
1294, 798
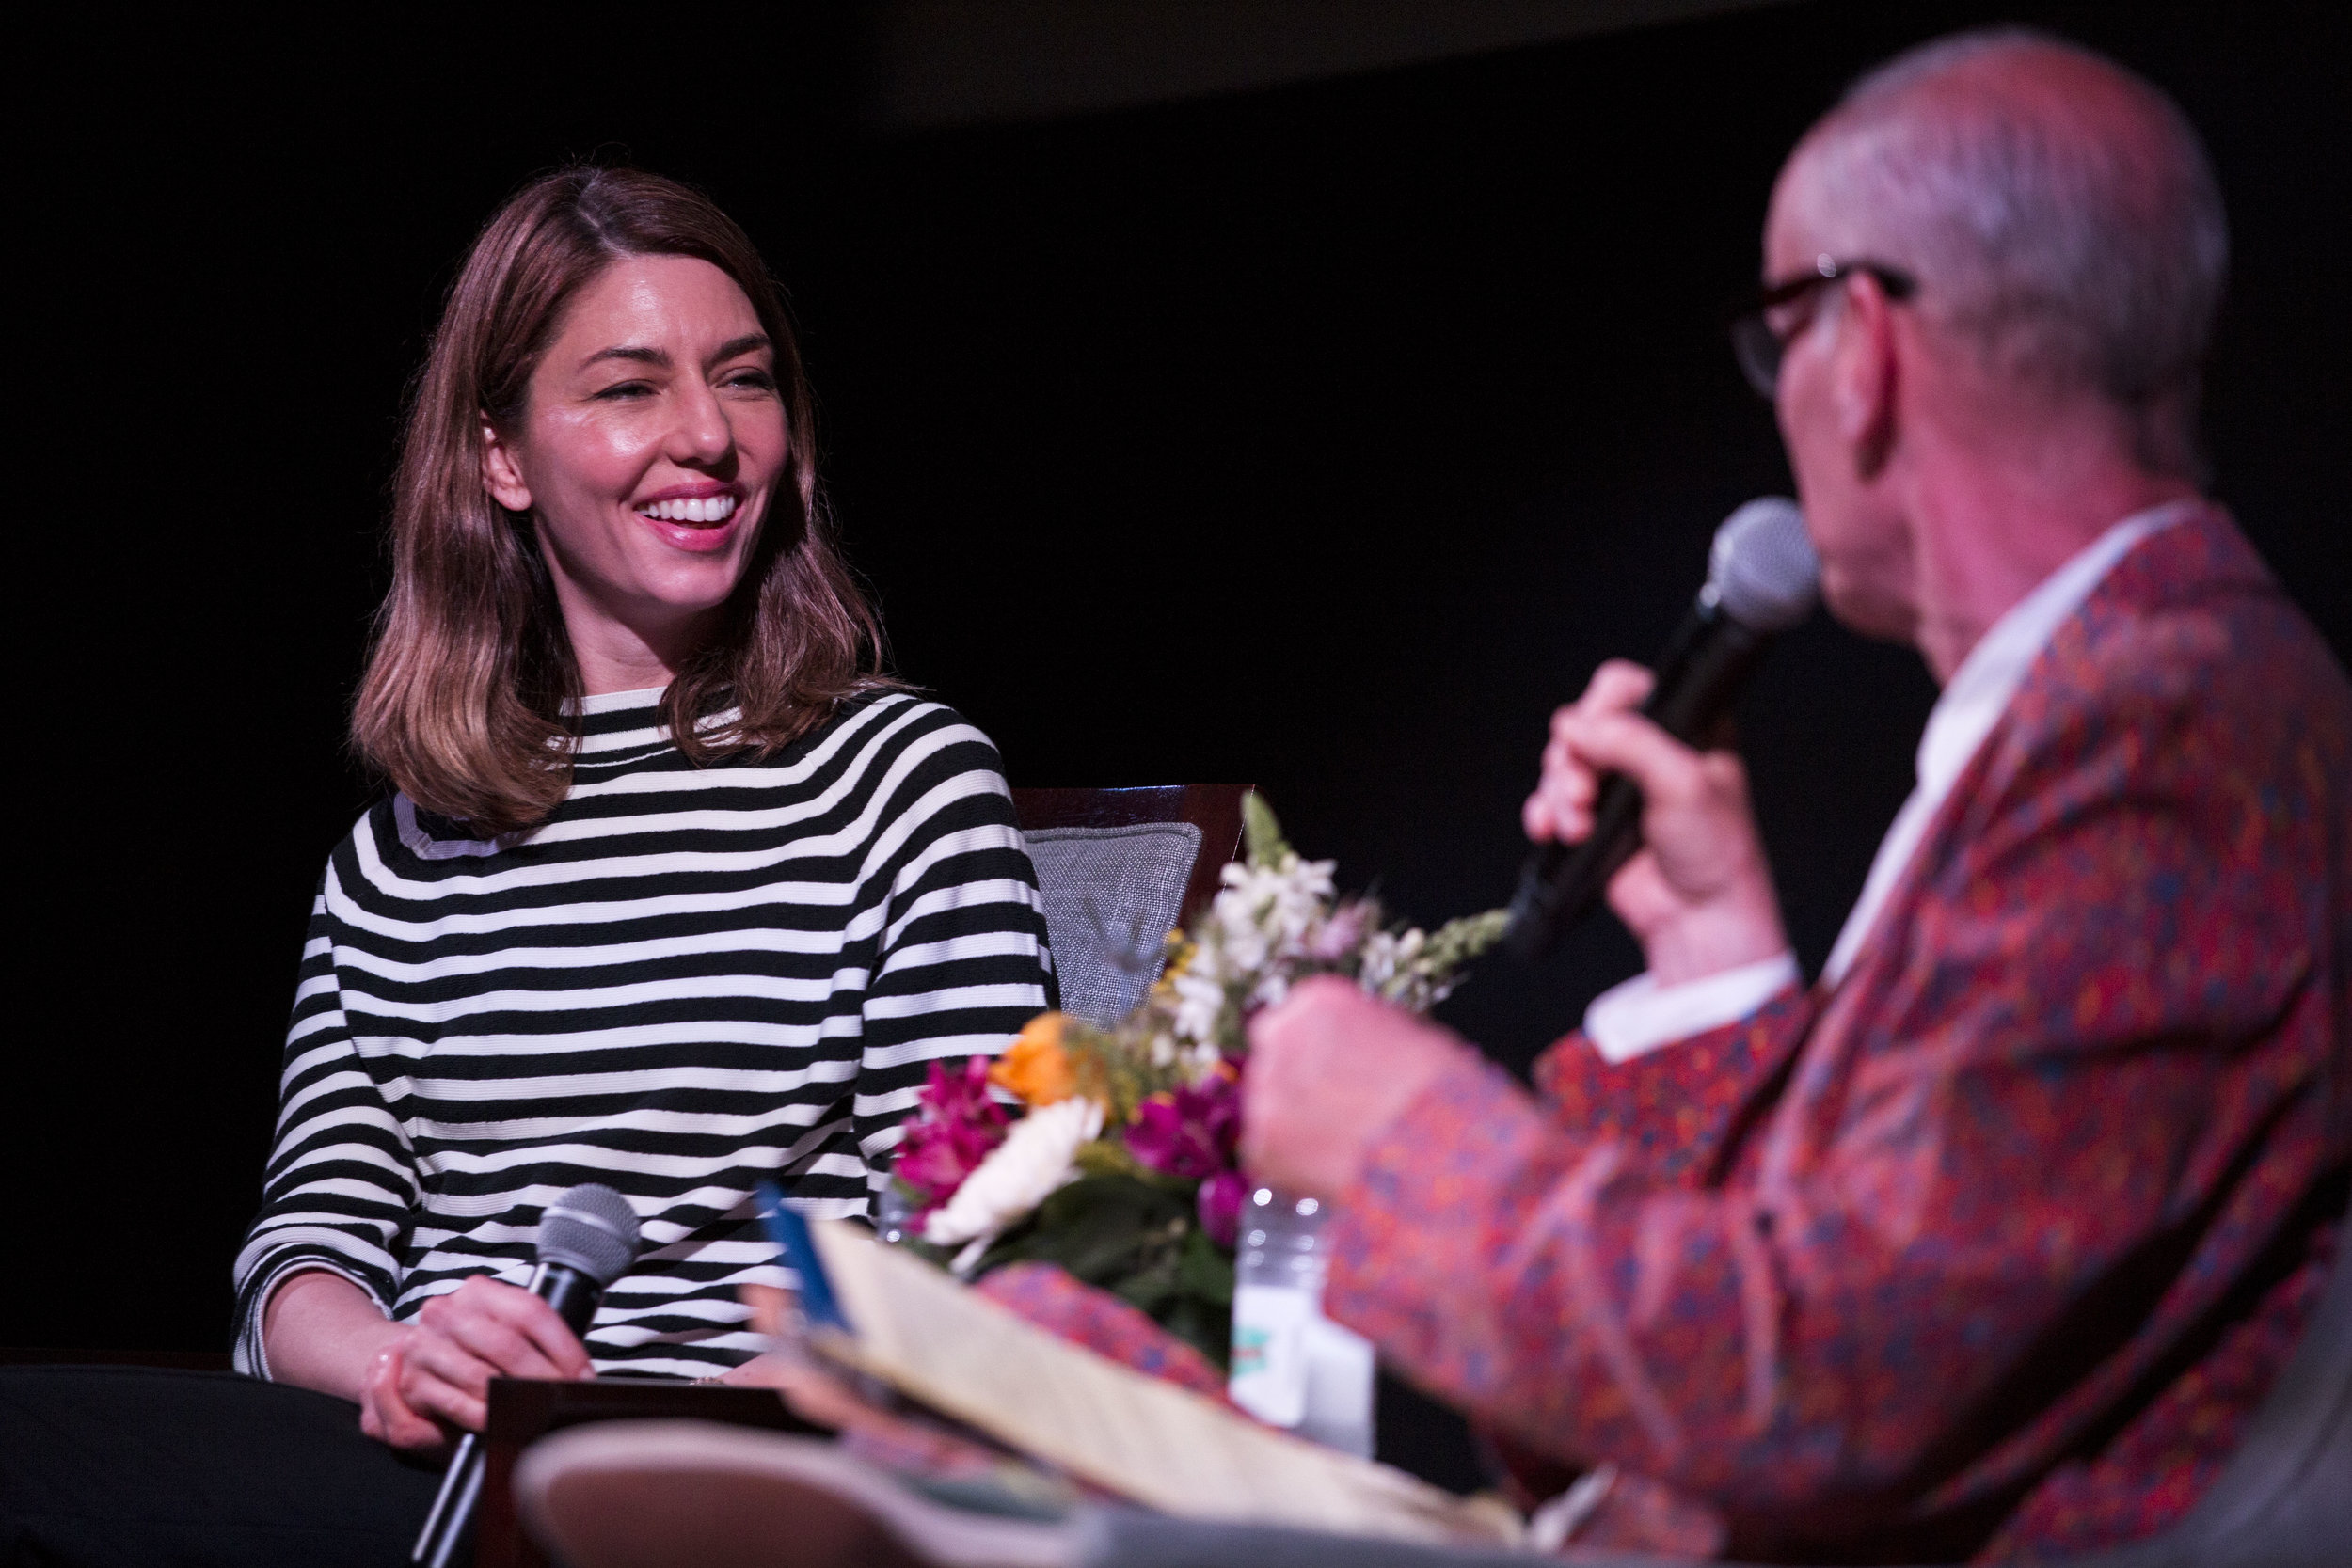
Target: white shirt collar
1976, 696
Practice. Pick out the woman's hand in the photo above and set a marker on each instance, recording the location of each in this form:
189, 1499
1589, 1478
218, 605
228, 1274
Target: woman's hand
438, 1370
1698, 895
413, 1382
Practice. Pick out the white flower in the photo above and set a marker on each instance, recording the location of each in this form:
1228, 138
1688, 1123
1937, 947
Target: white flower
1022, 1172
1264, 914
1397, 968
1236, 937
1199, 1000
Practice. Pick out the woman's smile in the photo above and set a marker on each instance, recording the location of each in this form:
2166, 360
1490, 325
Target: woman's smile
703, 519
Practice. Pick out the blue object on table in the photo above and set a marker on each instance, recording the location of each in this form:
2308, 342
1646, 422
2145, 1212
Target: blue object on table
789, 1231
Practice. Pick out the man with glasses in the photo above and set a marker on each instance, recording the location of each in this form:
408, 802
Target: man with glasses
1988, 1241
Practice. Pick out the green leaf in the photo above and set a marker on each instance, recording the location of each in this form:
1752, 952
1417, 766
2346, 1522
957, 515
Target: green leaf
1135, 1237
1205, 1270
1261, 833
1100, 1228
1457, 941
1154, 1290
1107, 1157
1205, 1327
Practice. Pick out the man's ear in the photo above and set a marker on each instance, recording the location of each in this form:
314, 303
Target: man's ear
1867, 369
501, 476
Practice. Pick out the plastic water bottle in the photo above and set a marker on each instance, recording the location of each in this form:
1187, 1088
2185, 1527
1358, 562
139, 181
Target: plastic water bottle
1292, 1367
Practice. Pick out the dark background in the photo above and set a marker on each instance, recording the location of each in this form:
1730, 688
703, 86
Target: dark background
1322, 435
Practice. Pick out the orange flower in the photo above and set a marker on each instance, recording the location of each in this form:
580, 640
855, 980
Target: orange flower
1035, 1066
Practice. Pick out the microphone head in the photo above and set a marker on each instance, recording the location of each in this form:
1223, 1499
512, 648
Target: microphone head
1762, 568
592, 1229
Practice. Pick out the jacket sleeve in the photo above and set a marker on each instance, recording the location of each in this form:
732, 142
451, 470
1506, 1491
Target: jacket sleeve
961, 961
1676, 1113
341, 1185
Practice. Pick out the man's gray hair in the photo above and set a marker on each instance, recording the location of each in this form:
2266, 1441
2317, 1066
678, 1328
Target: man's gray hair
2078, 255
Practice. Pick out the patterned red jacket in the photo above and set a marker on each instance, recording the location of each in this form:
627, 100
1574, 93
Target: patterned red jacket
1992, 1249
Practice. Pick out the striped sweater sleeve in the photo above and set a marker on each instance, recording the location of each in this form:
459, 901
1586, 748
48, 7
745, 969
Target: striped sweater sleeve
341, 1185
961, 961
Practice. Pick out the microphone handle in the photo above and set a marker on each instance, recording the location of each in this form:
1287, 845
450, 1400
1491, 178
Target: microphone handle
575, 1297
1707, 660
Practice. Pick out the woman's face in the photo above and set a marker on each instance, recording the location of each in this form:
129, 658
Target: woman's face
651, 445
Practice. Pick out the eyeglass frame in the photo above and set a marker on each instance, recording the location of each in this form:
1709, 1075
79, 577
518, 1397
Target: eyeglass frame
1759, 349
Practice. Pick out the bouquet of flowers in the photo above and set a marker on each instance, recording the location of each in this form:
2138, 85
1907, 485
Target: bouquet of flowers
1117, 1160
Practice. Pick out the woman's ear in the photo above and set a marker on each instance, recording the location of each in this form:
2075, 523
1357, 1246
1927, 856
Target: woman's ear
501, 476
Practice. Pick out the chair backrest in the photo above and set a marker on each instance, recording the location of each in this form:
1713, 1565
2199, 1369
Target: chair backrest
1119, 869
2285, 1497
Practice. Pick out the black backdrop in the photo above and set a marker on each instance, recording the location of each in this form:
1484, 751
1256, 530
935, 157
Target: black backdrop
1322, 438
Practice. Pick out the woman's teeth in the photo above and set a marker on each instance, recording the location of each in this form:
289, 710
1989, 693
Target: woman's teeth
699, 508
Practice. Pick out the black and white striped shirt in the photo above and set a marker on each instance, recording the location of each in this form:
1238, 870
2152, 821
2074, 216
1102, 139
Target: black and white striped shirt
683, 980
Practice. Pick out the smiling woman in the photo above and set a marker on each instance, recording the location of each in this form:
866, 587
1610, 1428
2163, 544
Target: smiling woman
612, 375
673, 891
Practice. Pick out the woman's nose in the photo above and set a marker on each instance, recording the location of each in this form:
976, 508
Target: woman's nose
702, 434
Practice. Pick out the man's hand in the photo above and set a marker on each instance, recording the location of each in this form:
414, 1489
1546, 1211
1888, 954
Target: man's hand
440, 1368
1698, 895
1330, 1070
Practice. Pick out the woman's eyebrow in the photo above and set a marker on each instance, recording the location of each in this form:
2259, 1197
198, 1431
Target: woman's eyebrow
642, 356
750, 343
734, 348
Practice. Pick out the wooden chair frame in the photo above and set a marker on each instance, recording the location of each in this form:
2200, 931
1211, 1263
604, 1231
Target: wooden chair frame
1215, 809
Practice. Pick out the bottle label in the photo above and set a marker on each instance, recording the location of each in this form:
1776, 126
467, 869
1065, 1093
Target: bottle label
1269, 1377
1338, 1406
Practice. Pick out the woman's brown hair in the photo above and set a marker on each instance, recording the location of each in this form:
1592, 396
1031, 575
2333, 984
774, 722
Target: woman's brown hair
464, 700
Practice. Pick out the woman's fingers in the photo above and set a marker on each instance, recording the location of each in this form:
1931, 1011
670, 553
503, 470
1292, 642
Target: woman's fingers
557, 1346
547, 1347
392, 1423
385, 1415
515, 1332
435, 1374
497, 1325
501, 1349
481, 1330
440, 1378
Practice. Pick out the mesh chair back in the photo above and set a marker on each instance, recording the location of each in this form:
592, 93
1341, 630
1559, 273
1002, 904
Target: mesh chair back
1120, 869
1111, 895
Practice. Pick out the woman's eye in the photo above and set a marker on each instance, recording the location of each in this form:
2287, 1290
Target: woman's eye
758, 381
625, 390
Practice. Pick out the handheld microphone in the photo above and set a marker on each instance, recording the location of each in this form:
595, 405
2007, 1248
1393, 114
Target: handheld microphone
1762, 579
587, 1240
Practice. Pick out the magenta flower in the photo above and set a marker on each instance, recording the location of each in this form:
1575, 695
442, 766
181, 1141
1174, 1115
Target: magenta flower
1219, 1201
956, 1126
1189, 1133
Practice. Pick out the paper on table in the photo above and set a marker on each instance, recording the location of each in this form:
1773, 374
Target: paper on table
922, 1332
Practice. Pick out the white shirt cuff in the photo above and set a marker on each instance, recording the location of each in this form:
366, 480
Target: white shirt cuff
1641, 1015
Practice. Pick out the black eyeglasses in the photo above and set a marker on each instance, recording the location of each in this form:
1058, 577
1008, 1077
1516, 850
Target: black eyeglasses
1760, 342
